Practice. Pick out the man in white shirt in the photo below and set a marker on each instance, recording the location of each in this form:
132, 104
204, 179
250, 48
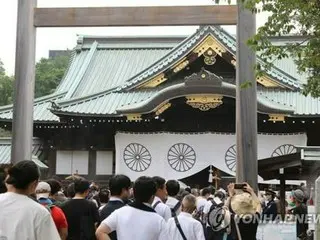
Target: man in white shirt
189, 227
201, 200
138, 220
161, 195
22, 217
173, 188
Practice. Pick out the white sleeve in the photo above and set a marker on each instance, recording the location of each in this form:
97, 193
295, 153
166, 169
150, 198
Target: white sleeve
111, 221
164, 231
46, 229
167, 213
199, 232
207, 207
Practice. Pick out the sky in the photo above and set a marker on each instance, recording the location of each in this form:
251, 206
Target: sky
65, 38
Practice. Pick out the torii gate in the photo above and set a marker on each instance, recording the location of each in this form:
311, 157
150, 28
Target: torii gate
30, 17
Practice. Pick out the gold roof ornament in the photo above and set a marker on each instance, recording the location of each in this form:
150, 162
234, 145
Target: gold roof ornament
204, 102
210, 57
277, 117
134, 117
163, 107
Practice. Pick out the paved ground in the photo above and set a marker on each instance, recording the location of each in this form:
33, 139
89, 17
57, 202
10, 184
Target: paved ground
286, 231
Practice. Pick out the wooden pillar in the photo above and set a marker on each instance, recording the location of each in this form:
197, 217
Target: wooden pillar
282, 193
22, 129
52, 162
92, 165
246, 100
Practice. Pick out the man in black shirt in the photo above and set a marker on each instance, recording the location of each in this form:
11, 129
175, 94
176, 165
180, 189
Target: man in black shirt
301, 212
82, 215
245, 208
119, 186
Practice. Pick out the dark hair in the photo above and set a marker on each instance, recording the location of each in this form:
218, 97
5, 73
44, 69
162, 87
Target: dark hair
173, 187
3, 174
22, 174
81, 185
159, 181
144, 188
104, 195
54, 185
70, 191
220, 195
205, 191
212, 190
117, 183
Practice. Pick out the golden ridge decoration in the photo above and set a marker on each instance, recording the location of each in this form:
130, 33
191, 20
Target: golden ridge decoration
180, 65
210, 42
277, 117
210, 57
163, 107
154, 82
204, 102
134, 117
267, 82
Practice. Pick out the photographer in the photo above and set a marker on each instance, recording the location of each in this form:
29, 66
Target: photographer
245, 209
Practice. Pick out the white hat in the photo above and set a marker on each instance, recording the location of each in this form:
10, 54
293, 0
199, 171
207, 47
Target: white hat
243, 204
43, 190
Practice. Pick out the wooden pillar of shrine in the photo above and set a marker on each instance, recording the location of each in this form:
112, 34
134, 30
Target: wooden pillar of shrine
246, 100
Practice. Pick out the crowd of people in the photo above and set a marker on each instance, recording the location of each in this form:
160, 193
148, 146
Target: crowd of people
150, 208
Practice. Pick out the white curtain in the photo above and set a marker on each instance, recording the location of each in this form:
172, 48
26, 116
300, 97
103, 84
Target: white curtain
179, 155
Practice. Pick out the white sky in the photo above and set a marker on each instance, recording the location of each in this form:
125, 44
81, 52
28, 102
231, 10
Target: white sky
63, 38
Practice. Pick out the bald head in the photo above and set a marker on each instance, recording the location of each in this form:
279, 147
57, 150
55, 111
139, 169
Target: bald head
188, 203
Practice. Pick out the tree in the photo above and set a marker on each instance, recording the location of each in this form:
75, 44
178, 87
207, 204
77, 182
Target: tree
6, 87
49, 73
290, 17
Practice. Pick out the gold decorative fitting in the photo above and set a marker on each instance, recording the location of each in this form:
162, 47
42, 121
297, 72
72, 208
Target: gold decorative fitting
233, 61
134, 117
212, 43
204, 102
180, 65
277, 117
267, 82
154, 82
163, 107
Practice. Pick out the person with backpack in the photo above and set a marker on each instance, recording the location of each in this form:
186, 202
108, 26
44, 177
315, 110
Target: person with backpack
201, 202
160, 197
184, 226
43, 191
214, 215
173, 188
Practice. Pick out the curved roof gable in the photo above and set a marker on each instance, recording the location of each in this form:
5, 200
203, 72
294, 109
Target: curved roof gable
176, 55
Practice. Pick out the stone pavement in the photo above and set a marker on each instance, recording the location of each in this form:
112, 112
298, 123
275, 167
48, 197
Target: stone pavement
280, 231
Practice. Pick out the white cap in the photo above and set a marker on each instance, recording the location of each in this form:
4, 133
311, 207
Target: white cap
43, 190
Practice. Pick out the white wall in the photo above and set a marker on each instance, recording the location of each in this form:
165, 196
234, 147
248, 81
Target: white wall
69, 162
104, 163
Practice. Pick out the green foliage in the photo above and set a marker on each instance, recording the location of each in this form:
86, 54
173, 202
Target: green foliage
49, 73
6, 87
290, 17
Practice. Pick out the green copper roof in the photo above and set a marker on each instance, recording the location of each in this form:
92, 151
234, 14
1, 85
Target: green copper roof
5, 152
303, 105
101, 67
41, 109
188, 44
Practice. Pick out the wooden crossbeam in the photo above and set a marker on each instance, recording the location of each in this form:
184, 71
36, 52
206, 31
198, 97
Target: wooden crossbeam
135, 16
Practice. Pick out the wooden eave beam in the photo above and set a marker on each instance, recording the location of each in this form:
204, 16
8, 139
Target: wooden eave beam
136, 16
